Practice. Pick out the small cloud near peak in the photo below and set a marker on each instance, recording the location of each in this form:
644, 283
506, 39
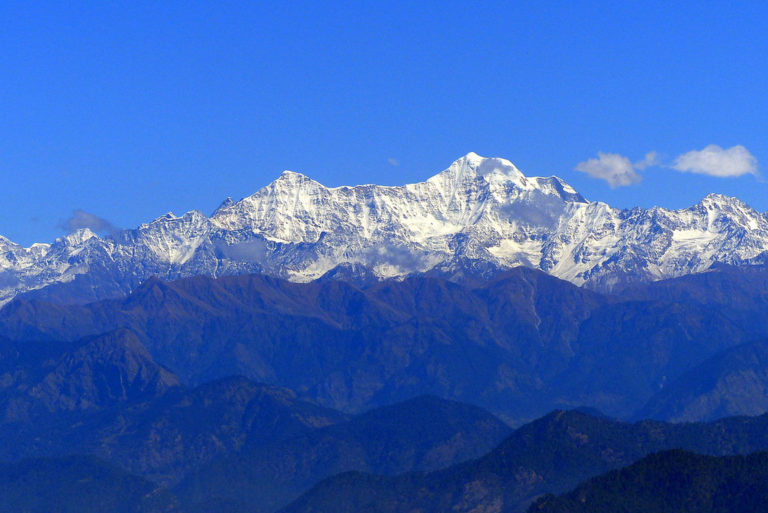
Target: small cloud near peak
81, 219
716, 161
651, 159
615, 169
713, 160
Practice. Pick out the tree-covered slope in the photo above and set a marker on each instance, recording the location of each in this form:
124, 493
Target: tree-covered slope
518, 345
671, 482
78, 484
551, 455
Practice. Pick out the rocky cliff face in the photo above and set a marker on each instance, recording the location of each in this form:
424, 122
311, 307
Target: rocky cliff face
480, 215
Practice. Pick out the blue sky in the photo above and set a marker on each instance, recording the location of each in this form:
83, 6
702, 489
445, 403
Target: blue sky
127, 110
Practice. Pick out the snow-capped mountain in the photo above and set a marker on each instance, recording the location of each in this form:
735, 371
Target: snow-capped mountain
480, 215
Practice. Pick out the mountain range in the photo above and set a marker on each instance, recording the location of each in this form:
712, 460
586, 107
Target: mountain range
371, 348
519, 345
101, 410
235, 446
476, 218
550, 455
252, 393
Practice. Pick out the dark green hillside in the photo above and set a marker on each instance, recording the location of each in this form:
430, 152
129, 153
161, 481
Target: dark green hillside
551, 455
671, 482
233, 441
167, 436
740, 293
519, 345
425, 433
45, 378
78, 485
733, 382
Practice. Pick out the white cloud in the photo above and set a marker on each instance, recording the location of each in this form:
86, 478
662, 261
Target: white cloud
713, 160
615, 169
716, 161
393, 161
651, 159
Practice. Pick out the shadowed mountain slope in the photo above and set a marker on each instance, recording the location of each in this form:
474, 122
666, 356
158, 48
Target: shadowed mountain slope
164, 437
671, 482
44, 378
739, 293
78, 484
425, 433
232, 440
551, 455
734, 381
519, 345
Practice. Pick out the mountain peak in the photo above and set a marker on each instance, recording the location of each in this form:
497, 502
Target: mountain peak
471, 157
224, 204
472, 165
288, 180
292, 175
717, 197
716, 201
79, 236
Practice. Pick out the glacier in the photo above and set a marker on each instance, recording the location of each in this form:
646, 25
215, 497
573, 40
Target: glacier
476, 218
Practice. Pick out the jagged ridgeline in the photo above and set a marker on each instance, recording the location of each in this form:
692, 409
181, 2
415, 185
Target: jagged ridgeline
478, 216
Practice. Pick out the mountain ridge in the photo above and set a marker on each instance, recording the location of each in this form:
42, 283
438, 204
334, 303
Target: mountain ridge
672, 480
519, 344
480, 213
552, 454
